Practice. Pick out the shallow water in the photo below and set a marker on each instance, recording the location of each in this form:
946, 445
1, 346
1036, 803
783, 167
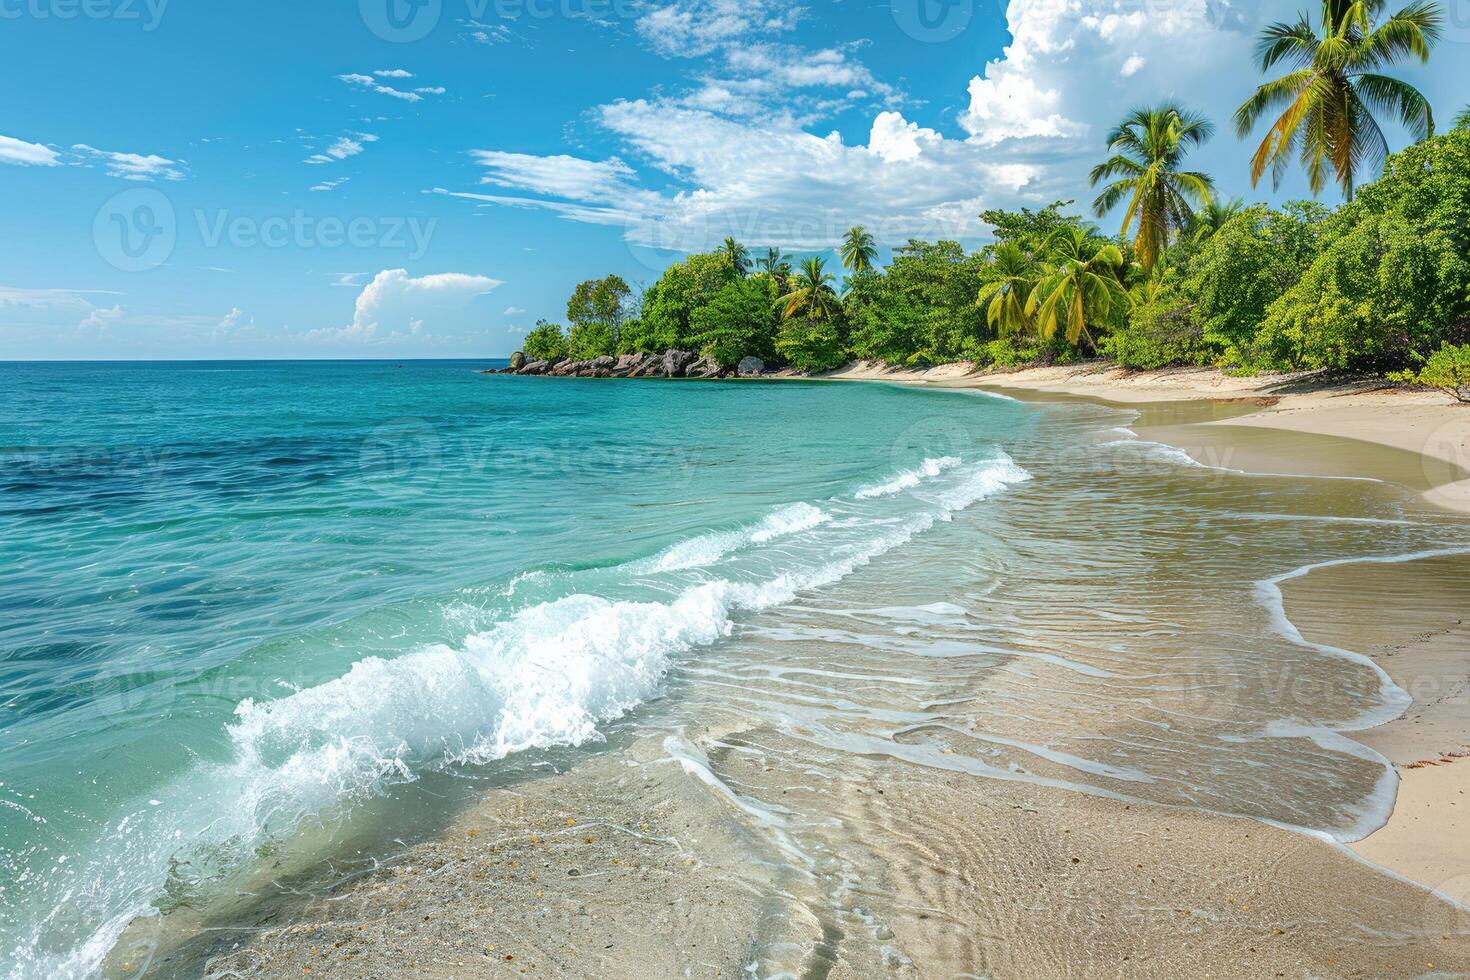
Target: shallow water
249, 602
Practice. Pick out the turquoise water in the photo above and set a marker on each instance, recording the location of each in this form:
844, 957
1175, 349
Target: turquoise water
236, 598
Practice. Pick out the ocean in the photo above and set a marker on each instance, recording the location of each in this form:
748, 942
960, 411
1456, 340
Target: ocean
255, 617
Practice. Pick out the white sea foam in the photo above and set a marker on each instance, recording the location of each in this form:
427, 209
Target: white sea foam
706, 549
551, 674
908, 479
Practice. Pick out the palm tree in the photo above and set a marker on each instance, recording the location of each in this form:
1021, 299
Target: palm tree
1081, 287
736, 254
1149, 147
1004, 300
1213, 216
1328, 99
777, 265
812, 293
1462, 121
859, 250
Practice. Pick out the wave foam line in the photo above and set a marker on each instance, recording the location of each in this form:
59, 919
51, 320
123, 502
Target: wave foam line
908, 479
548, 676
706, 549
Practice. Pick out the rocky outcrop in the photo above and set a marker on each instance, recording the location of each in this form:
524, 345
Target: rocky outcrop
669, 364
751, 367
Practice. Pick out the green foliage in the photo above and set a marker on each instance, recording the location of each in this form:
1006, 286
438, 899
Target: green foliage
1081, 292
1240, 270
859, 251
811, 294
1148, 150
1029, 230
809, 344
546, 343
596, 313
739, 321
1327, 99
669, 303
1391, 281
922, 310
1447, 369
1160, 332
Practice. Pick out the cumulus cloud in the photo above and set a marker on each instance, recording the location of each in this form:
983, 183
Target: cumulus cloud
132, 166
23, 154
396, 304
1027, 134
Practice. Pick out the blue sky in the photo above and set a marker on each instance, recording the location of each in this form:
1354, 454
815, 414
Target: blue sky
427, 178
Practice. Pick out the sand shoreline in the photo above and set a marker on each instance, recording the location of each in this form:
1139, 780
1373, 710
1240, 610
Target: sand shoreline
1425, 839
637, 862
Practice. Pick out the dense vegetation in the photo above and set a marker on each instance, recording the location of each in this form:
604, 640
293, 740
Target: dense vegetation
1380, 283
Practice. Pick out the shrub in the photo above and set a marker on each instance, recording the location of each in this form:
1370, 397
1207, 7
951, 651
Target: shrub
1447, 369
590, 340
546, 343
1159, 333
1388, 286
738, 322
810, 345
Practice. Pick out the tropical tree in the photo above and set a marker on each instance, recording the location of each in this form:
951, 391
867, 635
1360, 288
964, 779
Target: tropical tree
1462, 121
1081, 286
776, 265
736, 254
1213, 216
1328, 99
1149, 148
811, 294
1004, 299
859, 250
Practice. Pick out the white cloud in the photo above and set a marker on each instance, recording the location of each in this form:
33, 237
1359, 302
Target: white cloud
396, 304
233, 319
393, 73
330, 185
100, 319
133, 166
691, 28
558, 176
344, 147
514, 311
1132, 66
23, 154
373, 85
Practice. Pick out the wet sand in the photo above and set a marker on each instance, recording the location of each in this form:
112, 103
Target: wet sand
642, 862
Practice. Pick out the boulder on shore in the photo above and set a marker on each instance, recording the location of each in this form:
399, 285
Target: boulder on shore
517, 361
751, 367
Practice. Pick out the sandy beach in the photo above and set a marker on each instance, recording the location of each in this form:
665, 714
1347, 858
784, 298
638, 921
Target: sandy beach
1341, 428
710, 847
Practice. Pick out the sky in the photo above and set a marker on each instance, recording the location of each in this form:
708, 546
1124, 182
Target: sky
183, 179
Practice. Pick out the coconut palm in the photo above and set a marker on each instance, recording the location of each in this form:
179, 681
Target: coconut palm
1004, 299
1462, 121
1328, 99
776, 265
859, 250
736, 254
811, 293
1149, 147
1213, 216
1081, 286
